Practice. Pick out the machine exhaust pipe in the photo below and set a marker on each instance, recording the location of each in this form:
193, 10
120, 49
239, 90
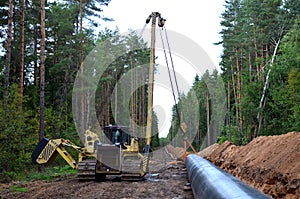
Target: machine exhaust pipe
210, 182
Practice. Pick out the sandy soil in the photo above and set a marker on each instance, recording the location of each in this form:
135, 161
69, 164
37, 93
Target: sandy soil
166, 179
268, 163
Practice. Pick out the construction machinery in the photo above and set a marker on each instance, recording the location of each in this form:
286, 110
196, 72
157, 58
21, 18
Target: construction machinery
121, 156
95, 159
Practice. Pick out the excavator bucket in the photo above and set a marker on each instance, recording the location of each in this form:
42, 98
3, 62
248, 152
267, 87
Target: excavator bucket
39, 148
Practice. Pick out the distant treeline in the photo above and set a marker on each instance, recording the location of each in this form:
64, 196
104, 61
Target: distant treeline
260, 72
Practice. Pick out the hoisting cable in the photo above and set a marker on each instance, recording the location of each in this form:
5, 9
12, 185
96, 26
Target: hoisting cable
172, 63
183, 128
170, 78
174, 97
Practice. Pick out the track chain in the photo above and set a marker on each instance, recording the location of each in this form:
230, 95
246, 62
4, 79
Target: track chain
131, 169
86, 170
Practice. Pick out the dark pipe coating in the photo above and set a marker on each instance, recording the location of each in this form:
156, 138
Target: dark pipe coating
210, 182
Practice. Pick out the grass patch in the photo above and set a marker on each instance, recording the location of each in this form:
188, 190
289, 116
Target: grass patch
16, 188
52, 173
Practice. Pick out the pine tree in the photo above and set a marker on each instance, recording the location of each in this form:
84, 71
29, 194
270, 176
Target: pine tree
22, 27
42, 70
8, 56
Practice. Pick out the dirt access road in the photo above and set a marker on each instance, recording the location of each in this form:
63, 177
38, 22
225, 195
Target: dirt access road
166, 179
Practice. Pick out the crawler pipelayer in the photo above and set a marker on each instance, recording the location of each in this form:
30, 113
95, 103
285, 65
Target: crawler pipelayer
121, 157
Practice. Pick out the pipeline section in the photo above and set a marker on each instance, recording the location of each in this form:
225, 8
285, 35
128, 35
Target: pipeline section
210, 182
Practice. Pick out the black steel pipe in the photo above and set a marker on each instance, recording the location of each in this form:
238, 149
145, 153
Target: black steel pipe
210, 182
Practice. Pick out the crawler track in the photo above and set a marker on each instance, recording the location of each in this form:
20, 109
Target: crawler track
131, 168
86, 170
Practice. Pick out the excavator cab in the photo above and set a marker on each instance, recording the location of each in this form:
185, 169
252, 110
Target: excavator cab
118, 135
120, 156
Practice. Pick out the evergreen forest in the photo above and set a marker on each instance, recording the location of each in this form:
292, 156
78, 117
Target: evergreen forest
44, 45
259, 72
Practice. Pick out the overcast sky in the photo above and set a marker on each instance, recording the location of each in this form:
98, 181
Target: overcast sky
198, 20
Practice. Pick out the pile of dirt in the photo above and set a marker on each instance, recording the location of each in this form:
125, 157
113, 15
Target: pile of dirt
268, 163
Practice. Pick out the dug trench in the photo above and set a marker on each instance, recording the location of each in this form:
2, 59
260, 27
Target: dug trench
270, 164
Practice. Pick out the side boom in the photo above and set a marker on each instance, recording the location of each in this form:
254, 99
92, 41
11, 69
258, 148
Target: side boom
47, 150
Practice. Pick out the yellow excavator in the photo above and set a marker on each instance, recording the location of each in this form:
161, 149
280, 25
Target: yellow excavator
120, 157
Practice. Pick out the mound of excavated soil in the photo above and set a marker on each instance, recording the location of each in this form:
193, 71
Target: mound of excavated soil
268, 163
